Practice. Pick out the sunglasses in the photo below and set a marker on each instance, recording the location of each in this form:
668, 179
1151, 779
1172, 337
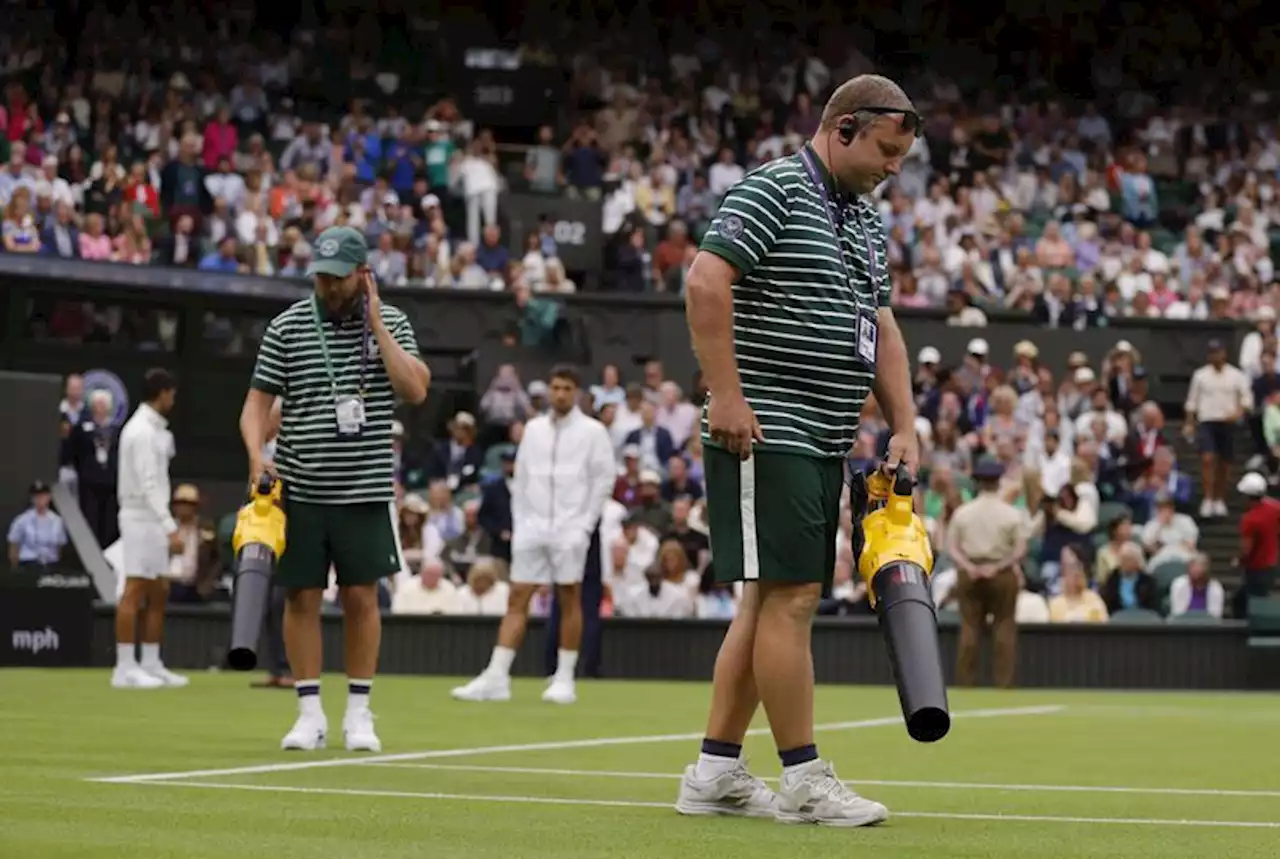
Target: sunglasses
911, 120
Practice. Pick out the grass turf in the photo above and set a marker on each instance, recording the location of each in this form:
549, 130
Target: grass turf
1187, 765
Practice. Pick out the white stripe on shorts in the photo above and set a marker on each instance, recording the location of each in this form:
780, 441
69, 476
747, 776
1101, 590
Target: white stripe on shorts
395, 534
747, 512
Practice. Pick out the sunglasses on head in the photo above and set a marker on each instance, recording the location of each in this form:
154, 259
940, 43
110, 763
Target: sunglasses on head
911, 120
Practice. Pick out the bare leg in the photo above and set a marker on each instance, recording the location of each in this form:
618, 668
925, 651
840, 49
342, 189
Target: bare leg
363, 630
302, 633
734, 698
784, 662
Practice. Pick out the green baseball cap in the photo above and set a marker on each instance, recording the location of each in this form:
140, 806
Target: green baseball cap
338, 251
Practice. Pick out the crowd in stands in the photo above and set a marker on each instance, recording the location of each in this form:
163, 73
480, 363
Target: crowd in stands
1075, 212
201, 158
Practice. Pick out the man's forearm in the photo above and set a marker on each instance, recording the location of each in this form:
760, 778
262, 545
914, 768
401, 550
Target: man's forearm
255, 419
709, 310
409, 376
893, 377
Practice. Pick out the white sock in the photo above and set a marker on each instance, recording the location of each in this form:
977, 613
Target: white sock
566, 663
151, 656
125, 656
711, 766
500, 662
358, 694
308, 692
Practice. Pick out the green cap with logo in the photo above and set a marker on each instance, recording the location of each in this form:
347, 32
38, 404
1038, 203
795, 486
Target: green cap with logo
338, 251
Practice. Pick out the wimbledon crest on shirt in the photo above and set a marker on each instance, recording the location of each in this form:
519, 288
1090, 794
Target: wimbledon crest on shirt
730, 227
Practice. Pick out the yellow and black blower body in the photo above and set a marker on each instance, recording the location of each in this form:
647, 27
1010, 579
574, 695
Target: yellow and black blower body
258, 541
893, 556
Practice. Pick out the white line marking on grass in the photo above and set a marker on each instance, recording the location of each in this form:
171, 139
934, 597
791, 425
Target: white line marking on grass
622, 803
541, 747
945, 785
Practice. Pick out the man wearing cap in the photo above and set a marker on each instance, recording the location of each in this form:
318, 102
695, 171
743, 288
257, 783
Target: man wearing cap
1219, 396
36, 535
339, 360
1259, 558
987, 541
926, 378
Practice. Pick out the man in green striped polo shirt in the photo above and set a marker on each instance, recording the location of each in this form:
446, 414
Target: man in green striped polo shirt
788, 308
337, 360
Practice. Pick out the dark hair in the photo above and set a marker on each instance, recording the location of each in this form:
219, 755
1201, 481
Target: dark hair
156, 381
566, 372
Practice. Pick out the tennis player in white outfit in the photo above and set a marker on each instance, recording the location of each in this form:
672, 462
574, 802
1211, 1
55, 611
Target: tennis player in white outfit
565, 471
148, 537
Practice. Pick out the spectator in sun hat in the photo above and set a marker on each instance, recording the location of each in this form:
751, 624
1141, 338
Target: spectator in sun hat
537, 392
459, 460
926, 377
1023, 377
974, 368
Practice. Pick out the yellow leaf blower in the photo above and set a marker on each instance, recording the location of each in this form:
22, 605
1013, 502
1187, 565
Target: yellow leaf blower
258, 542
893, 555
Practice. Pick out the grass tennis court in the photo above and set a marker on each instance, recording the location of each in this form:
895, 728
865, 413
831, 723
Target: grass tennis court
197, 774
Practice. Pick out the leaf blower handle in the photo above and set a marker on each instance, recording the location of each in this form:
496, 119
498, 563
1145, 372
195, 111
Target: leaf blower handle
903, 482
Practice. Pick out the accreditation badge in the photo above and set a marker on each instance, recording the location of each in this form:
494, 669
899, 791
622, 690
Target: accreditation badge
349, 412
868, 335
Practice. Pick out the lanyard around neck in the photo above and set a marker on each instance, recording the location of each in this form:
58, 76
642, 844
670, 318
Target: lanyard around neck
324, 348
836, 221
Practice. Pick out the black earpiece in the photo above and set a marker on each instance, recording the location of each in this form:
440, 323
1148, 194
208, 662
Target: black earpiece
848, 129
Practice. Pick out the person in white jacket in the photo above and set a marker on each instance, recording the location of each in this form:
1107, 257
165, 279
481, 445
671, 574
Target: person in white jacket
565, 471
148, 536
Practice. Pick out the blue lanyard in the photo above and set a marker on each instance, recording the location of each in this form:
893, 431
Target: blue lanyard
837, 222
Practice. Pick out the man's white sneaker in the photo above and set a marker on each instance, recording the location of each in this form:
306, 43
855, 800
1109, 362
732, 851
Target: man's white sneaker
306, 735
560, 692
1220, 508
133, 677
813, 794
486, 687
1206, 508
165, 676
358, 733
735, 792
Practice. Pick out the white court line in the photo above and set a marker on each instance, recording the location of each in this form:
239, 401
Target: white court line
541, 747
945, 785
622, 803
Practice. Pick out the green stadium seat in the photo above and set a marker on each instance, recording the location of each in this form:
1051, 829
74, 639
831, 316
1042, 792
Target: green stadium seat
1166, 571
1100, 539
1264, 615
1110, 511
1193, 618
1031, 570
948, 616
1137, 616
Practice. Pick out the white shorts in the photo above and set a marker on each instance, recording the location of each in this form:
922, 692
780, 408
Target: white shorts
144, 550
545, 565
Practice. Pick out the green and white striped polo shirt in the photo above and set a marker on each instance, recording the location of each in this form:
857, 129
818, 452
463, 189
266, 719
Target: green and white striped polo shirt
318, 465
795, 308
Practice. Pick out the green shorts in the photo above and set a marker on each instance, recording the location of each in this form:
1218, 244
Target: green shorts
360, 541
773, 518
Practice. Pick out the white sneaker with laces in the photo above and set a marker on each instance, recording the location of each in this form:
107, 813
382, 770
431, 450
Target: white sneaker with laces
1220, 508
560, 691
165, 676
734, 792
358, 733
133, 677
307, 734
486, 687
1206, 509
813, 794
